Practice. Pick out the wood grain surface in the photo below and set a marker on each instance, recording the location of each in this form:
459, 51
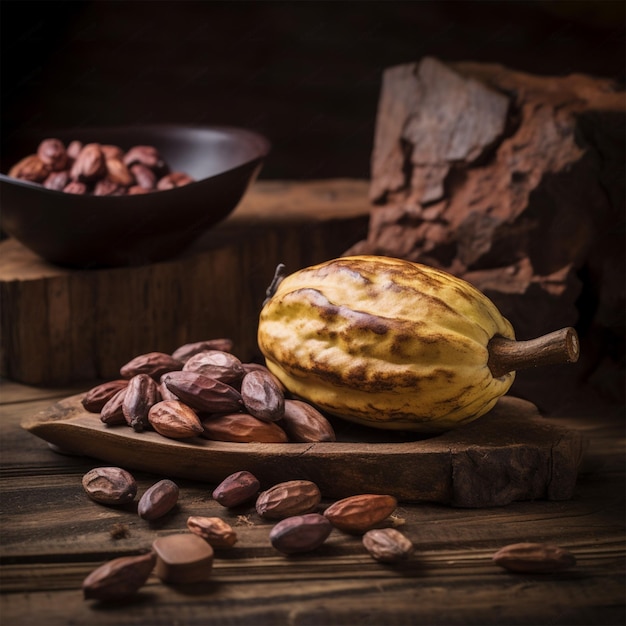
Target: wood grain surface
53, 536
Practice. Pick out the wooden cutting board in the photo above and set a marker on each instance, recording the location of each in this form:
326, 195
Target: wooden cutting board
510, 454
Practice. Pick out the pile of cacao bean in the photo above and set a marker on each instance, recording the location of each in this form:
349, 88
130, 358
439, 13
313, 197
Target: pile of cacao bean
203, 389
299, 526
98, 169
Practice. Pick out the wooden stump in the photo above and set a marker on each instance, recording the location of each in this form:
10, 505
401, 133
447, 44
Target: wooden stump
60, 326
512, 181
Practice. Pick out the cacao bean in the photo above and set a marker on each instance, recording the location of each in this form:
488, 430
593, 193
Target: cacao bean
216, 364
57, 181
73, 149
112, 413
360, 513
242, 428
106, 187
89, 165
165, 393
158, 500
145, 177
155, 364
387, 545
141, 394
118, 173
262, 397
52, 154
293, 497
257, 367
184, 352
146, 155
174, 419
534, 558
75, 187
30, 168
110, 485
300, 533
203, 393
214, 530
236, 489
173, 180
119, 578
303, 423
95, 399
136, 190
183, 558
112, 152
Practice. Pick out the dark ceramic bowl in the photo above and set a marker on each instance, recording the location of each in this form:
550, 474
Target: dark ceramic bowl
86, 231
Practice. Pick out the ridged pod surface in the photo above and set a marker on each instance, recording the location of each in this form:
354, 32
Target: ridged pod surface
384, 342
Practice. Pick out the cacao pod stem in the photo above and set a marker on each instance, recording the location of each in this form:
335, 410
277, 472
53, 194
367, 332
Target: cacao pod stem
279, 274
507, 355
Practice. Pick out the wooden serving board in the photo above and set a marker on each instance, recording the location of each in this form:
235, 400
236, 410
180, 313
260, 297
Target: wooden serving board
510, 454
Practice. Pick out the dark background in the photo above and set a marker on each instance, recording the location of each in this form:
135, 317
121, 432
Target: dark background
306, 74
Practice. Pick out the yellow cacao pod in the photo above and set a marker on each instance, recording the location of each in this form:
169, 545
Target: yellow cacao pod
384, 342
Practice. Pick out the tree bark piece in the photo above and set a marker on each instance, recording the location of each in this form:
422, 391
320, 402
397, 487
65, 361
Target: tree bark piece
513, 182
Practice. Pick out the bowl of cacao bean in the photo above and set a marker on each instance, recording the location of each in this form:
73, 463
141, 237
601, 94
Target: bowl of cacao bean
90, 198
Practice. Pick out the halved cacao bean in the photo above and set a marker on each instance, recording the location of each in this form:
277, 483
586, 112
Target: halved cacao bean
183, 558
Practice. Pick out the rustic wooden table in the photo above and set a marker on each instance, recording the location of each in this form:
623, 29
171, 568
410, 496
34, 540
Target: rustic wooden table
53, 536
